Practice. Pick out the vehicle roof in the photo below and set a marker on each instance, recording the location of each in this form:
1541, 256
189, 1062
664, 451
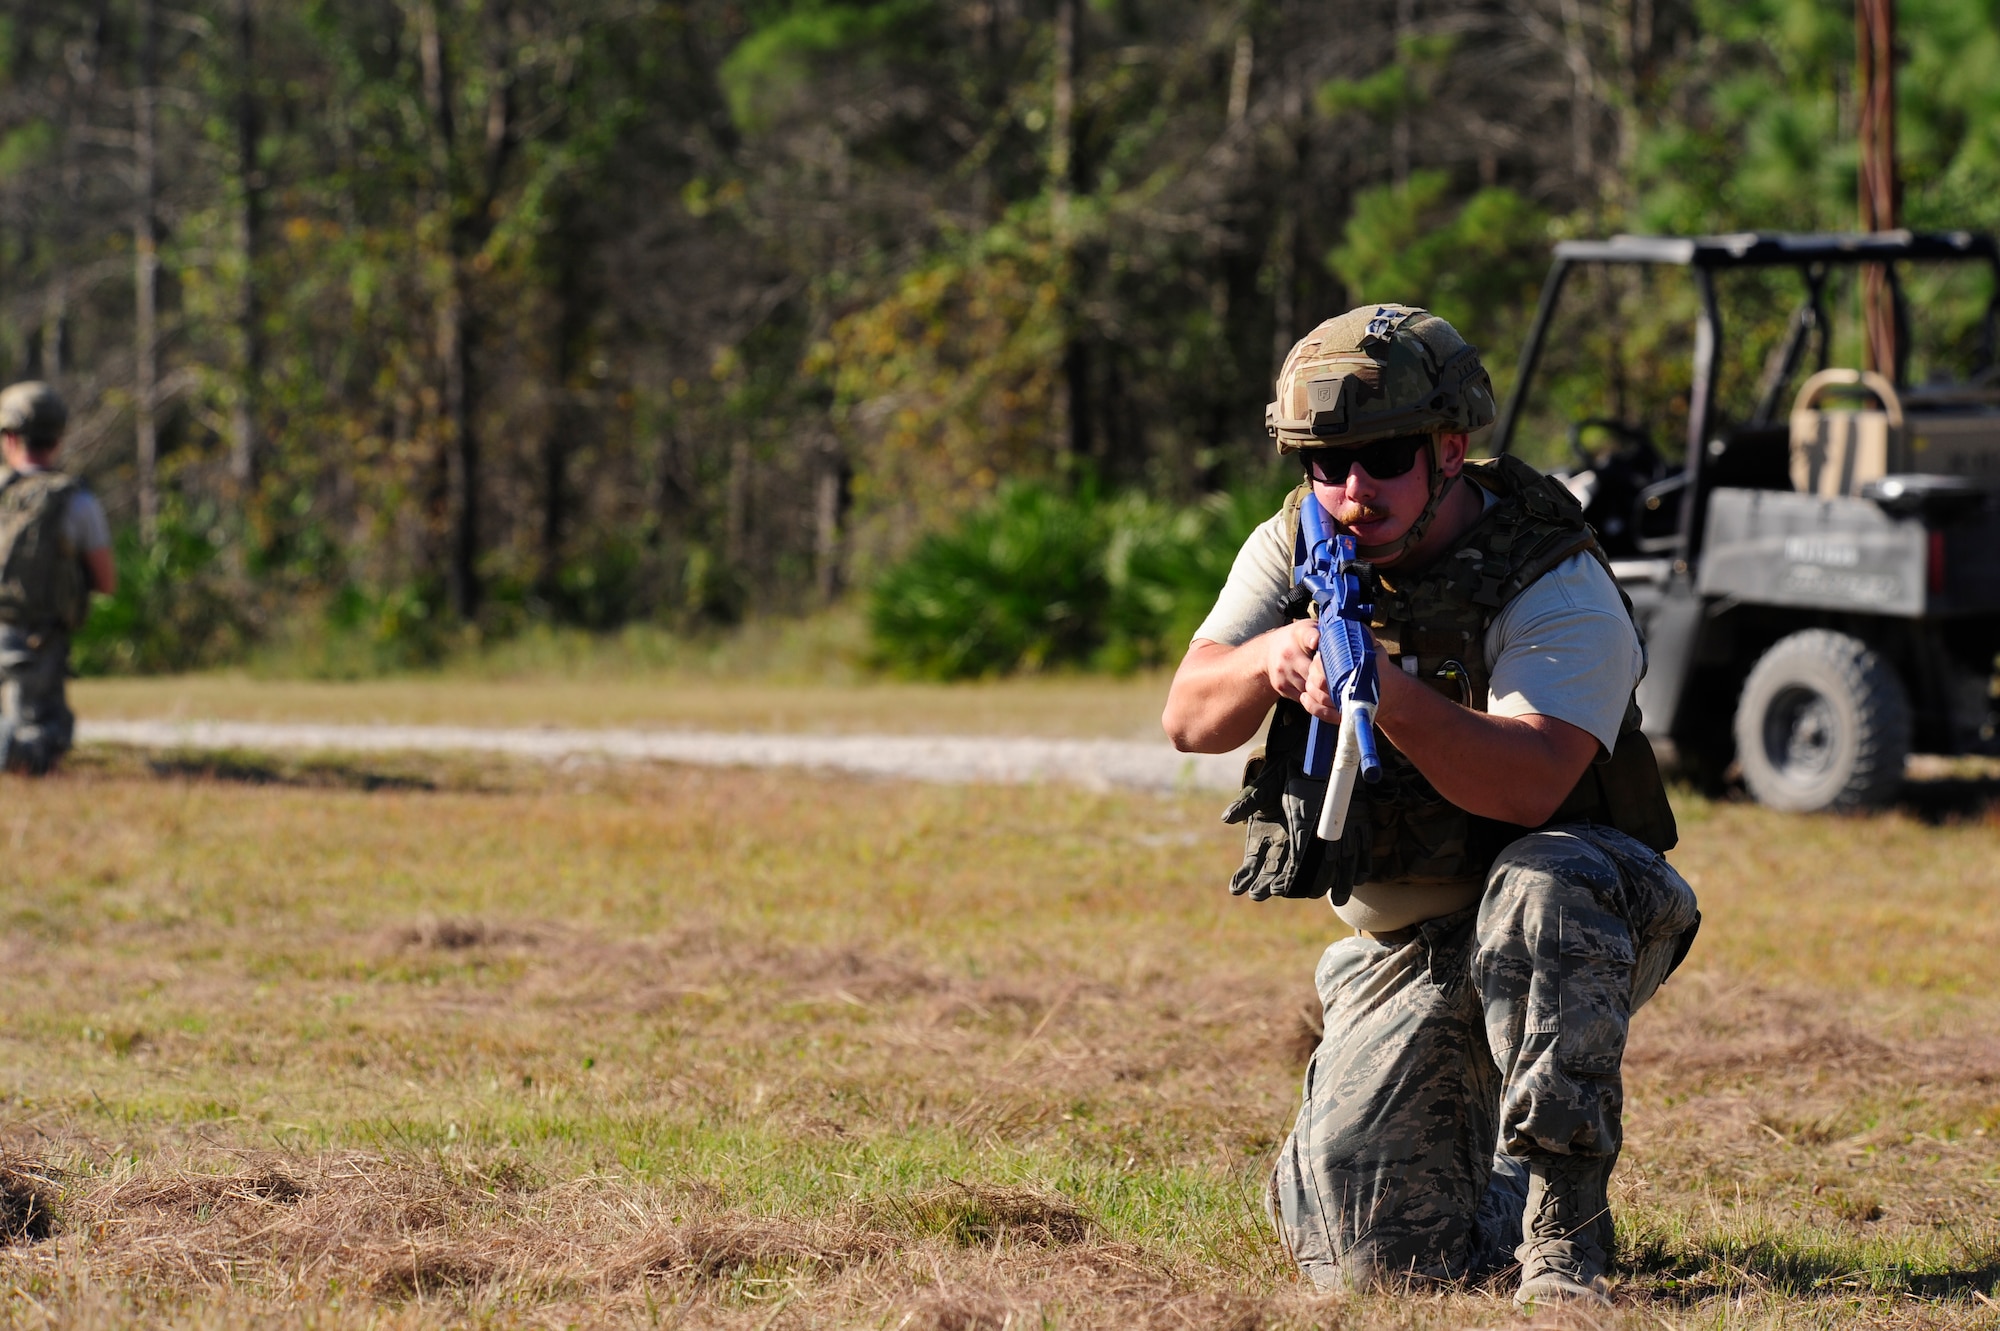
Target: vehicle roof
1757, 249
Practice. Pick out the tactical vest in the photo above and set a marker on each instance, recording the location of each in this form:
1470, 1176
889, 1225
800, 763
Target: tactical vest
1432, 624
41, 577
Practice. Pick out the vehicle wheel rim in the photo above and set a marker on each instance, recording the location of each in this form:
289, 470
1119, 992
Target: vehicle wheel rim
1801, 733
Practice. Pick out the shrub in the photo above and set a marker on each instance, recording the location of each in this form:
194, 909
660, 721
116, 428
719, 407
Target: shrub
1018, 585
1039, 578
1164, 566
175, 607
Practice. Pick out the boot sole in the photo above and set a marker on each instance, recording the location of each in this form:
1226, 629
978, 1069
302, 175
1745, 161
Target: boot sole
1549, 1289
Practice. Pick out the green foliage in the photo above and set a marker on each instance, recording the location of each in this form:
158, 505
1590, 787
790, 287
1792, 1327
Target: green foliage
1164, 566
949, 384
1752, 128
175, 607
1409, 81
1019, 584
1475, 261
1388, 90
594, 587
1038, 578
771, 70
364, 632
1763, 134
26, 147
1467, 261
725, 272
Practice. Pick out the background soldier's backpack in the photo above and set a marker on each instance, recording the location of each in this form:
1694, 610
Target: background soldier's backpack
41, 581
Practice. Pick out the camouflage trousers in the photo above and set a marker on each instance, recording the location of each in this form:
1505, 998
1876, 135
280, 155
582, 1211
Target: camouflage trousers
1459, 1045
36, 726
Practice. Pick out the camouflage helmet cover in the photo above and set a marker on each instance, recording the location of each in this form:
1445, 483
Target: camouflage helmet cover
1376, 372
33, 410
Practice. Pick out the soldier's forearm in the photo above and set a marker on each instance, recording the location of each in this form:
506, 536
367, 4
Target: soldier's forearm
1515, 769
1219, 697
102, 570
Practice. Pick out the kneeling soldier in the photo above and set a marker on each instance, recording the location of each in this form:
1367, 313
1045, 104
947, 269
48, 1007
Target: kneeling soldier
55, 549
1504, 877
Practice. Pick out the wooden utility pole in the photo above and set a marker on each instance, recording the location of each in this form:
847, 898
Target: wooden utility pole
1881, 194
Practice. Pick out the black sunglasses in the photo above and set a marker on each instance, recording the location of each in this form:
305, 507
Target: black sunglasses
1383, 459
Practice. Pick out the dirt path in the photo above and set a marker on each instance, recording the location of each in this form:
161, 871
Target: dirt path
1097, 763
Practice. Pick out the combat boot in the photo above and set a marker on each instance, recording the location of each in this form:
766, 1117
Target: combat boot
1565, 1230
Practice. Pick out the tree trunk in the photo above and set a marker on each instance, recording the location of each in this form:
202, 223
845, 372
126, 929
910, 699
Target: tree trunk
737, 536
1076, 377
1286, 227
1634, 29
555, 489
53, 341
466, 202
1583, 97
146, 270
1062, 117
461, 451
454, 353
565, 420
249, 222
1072, 428
1401, 131
1239, 79
829, 505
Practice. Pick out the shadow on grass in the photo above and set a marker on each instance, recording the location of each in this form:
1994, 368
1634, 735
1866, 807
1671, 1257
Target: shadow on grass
1688, 1274
1951, 799
329, 772
252, 772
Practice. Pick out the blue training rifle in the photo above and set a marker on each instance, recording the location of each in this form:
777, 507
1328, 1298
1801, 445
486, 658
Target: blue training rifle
1347, 653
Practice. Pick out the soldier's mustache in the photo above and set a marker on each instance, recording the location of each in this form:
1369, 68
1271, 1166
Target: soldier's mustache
1358, 512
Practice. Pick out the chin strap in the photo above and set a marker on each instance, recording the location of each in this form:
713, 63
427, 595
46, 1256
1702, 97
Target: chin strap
1440, 486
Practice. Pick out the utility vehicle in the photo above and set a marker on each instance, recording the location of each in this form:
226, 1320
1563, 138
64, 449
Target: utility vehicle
1817, 576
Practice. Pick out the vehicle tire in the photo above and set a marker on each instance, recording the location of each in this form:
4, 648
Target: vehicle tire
1823, 723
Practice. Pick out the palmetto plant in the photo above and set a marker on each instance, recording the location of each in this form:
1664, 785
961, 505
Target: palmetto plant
1019, 584
1040, 578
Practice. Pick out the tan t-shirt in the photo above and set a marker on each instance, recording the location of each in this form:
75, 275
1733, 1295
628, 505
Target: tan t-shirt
1563, 648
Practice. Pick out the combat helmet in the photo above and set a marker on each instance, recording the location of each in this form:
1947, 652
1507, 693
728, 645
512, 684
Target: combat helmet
34, 411
1376, 372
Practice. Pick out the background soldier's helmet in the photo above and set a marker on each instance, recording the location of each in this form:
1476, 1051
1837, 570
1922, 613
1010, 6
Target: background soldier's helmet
33, 410
1376, 372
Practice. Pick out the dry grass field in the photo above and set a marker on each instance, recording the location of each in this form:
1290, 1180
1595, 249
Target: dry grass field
1083, 706
425, 1044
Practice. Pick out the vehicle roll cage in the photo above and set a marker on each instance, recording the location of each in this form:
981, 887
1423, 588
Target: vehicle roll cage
1814, 255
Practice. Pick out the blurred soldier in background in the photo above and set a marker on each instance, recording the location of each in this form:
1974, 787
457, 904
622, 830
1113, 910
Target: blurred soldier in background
1504, 878
55, 550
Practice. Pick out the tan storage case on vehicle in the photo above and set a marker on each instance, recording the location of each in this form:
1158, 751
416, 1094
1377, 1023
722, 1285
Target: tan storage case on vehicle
1835, 453
1944, 431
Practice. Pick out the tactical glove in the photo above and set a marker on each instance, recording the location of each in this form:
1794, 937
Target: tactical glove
1282, 853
